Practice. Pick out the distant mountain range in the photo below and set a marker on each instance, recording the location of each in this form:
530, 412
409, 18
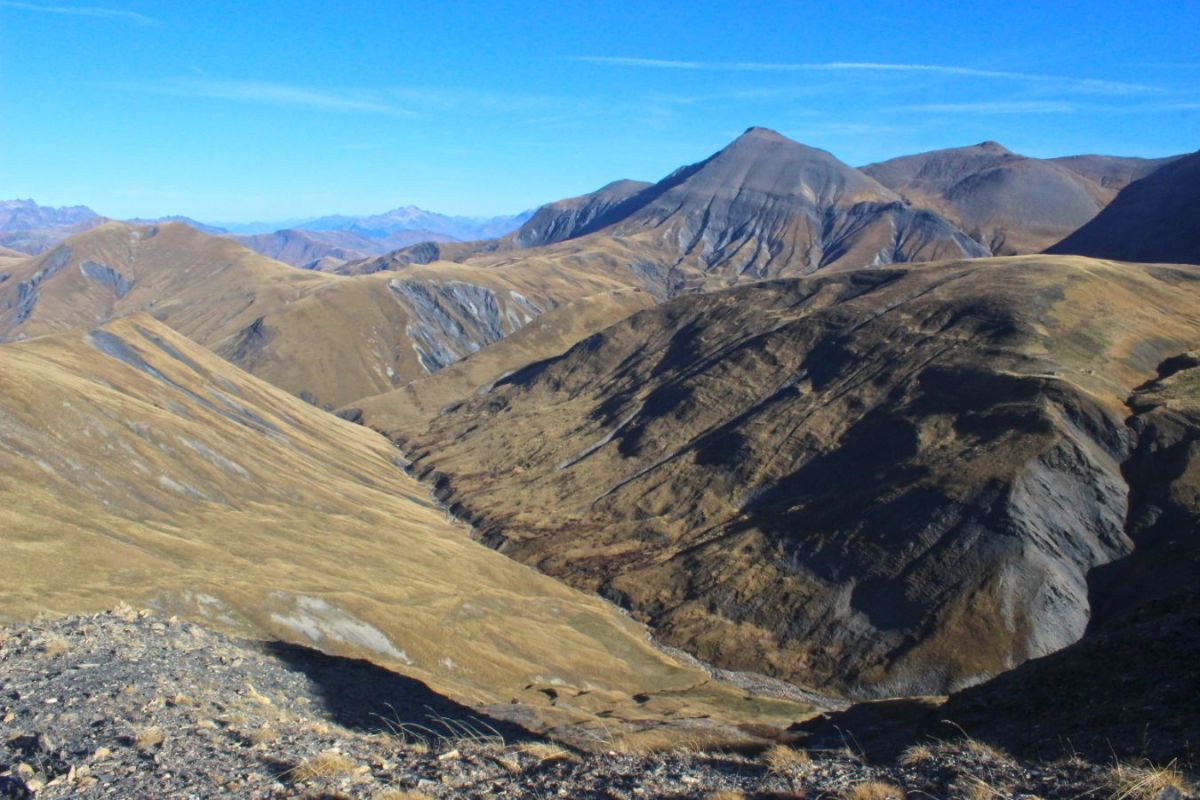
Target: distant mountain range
30, 228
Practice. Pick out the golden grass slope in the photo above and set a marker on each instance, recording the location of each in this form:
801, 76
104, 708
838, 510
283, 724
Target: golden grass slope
136, 466
330, 338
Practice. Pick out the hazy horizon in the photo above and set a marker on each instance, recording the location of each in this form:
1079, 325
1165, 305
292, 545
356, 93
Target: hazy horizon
472, 111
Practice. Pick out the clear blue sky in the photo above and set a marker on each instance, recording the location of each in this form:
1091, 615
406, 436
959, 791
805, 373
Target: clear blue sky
234, 111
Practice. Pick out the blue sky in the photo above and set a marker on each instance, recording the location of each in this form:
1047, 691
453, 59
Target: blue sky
266, 110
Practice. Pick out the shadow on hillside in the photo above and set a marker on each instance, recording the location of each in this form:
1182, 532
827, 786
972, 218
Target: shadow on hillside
362, 696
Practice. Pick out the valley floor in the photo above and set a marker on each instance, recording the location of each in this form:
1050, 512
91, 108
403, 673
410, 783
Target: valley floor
127, 704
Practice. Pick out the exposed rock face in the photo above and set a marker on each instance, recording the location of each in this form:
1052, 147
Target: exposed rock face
1009, 203
453, 319
1155, 219
840, 480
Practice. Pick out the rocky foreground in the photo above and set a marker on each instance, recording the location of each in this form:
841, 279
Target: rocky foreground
126, 704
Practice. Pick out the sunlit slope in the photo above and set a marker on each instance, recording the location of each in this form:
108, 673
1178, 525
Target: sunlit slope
876, 481
329, 338
136, 466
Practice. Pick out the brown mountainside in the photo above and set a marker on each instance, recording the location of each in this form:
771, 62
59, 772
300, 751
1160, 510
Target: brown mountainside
1155, 219
162, 475
329, 338
1008, 202
837, 480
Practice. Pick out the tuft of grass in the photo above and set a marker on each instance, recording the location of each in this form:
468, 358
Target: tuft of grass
783, 760
916, 754
874, 790
263, 735
727, 794
546, 753
971, 787
148, 738
54, 645
1144, 781
988, 751
399, 794
322, 765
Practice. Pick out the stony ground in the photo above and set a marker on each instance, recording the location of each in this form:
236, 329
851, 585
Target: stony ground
126, 704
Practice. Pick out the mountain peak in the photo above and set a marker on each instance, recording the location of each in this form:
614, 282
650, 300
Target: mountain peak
757, 132
992, 146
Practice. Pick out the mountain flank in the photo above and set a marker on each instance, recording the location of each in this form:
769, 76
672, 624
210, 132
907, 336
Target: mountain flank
837, 480
330, 338
163, 475
1155, 219
1010, 203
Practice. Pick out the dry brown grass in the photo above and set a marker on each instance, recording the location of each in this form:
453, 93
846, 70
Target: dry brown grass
874, 790
322, 765
988, 751
545, 752
146, 738
1144, 781
53, 645
727, 794
916, 754
399, 794
970, 787
263, 735
783, 760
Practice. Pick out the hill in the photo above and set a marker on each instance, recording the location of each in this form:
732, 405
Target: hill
328, 338
1155, 219
837, 480
1010, 203
163, 475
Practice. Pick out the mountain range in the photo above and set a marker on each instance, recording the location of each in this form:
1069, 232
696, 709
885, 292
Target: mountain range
841, 434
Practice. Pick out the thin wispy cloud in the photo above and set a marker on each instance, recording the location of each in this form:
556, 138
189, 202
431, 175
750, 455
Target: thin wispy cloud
1081, 84
993, 107
83, 11
267, 93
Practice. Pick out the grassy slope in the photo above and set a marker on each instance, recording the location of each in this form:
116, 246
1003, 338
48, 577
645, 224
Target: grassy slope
135, 465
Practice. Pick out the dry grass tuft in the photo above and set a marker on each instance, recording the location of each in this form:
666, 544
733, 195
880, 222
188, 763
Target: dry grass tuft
727, 794
147, 738
916, 754
970, 787
263, 735
784, 760
988, 751
399, 794
53, 645
546, 753
1144, 781
874, 790
322, 765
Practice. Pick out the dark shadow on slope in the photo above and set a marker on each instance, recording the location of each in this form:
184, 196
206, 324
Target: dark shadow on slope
359, 695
